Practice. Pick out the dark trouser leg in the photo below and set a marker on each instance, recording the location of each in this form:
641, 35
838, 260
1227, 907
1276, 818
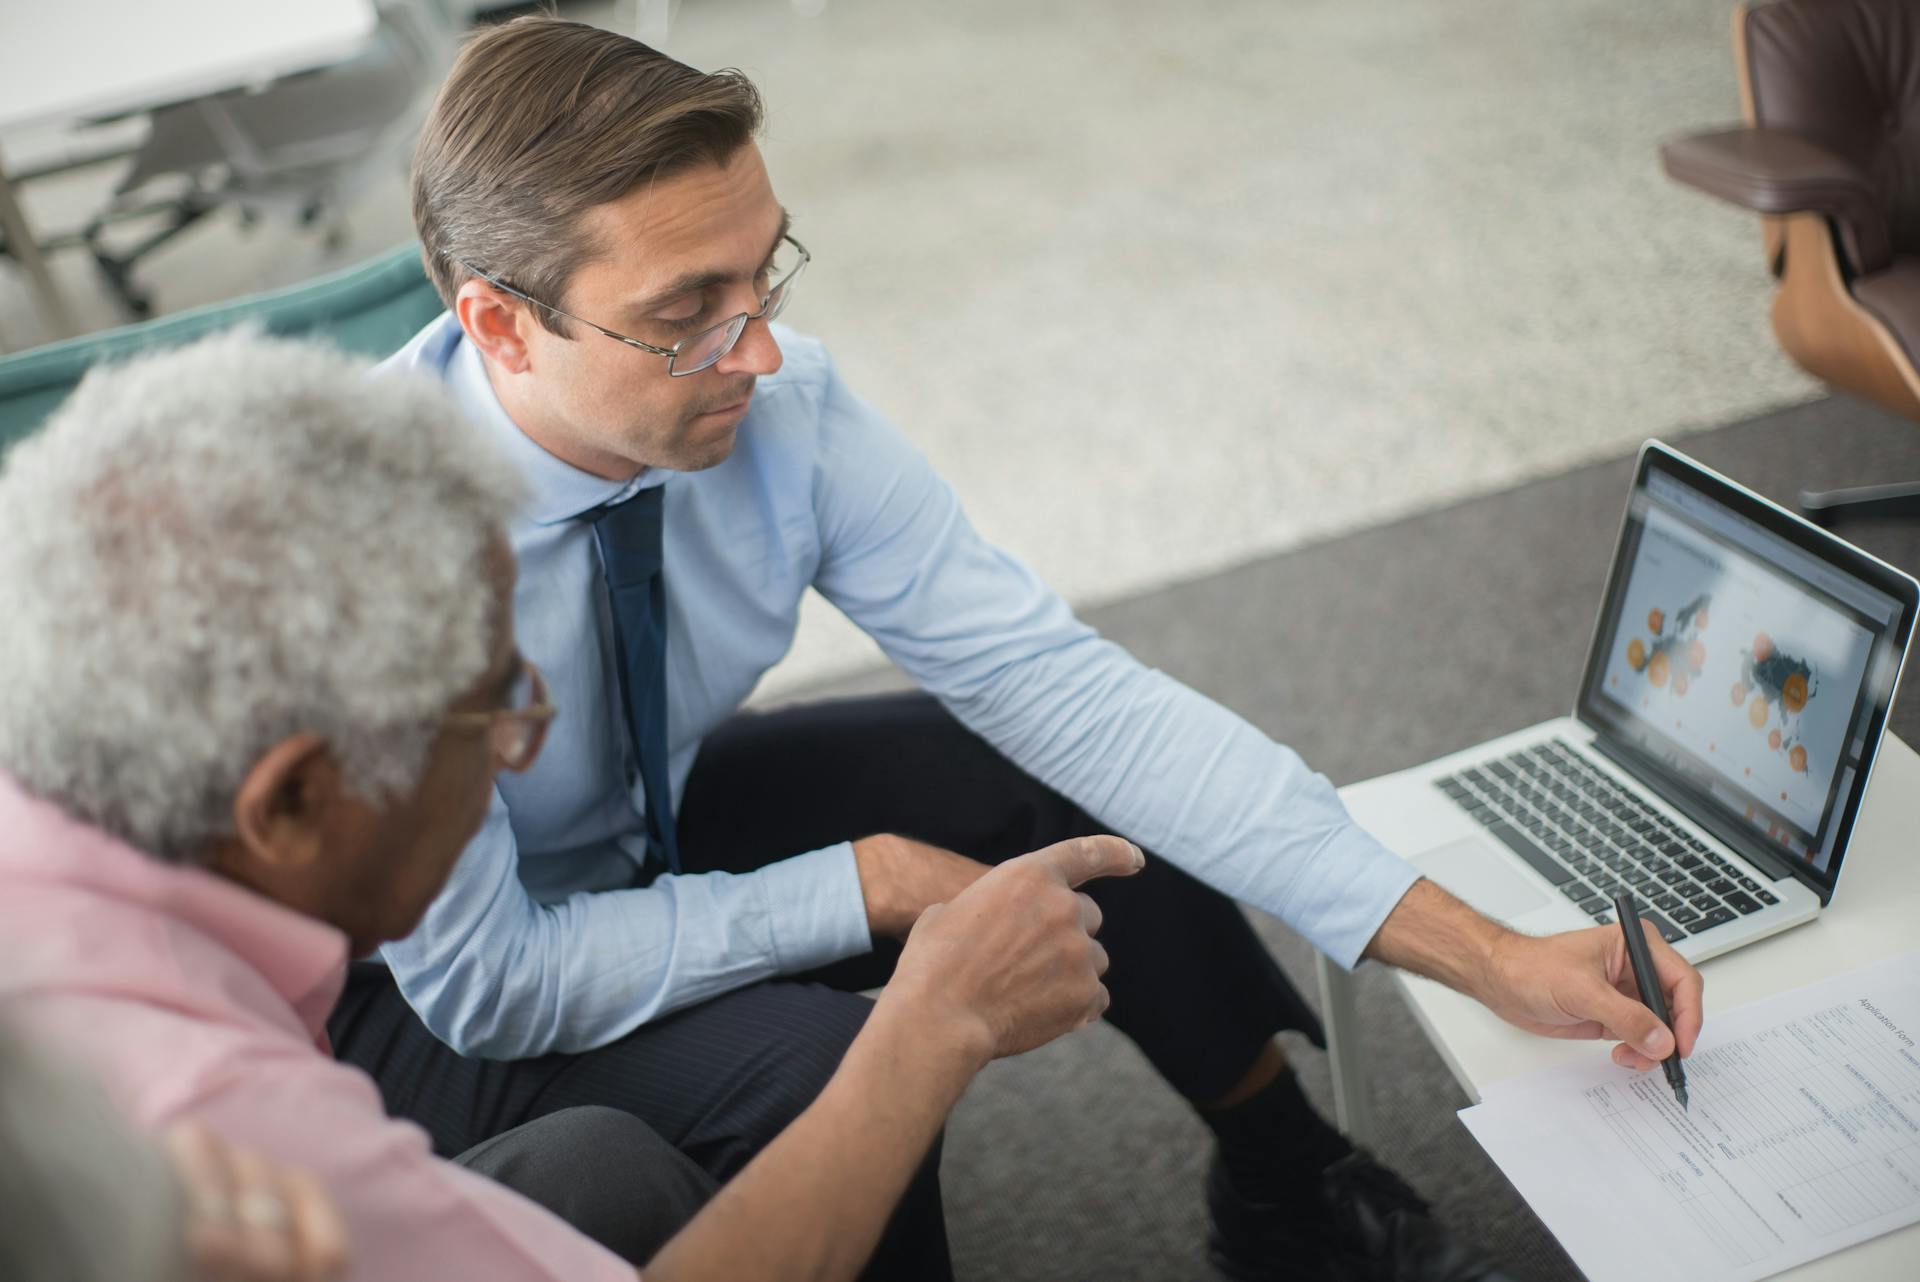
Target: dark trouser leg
601, 1170
1191, 983
717, 1081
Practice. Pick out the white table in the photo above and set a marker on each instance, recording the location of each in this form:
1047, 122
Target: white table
1874, 915
85, 59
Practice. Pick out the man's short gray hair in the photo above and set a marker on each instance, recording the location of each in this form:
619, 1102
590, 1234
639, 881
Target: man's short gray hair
210, 549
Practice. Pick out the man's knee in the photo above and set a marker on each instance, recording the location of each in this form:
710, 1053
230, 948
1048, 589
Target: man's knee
799, 1034
603, 1171
813, 1026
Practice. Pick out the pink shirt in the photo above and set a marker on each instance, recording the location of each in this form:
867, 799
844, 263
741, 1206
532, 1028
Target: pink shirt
192, 997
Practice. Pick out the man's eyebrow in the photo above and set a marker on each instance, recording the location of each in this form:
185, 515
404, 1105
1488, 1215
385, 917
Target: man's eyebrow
693, 282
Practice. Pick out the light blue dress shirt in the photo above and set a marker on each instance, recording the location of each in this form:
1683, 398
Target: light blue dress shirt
541, 943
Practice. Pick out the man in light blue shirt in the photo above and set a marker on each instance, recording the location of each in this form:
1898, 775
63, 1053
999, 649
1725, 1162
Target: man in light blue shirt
601, 942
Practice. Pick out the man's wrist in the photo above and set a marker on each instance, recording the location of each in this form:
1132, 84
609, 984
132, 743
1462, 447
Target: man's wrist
924, 1035
870, 857
1431, 933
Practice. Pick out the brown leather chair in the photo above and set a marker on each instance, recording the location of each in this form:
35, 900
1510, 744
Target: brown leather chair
1830, 157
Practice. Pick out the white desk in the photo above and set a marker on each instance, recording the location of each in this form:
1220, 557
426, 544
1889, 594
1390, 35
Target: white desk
76, 59
1875, 914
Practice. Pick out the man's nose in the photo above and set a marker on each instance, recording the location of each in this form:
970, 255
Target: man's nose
757, 353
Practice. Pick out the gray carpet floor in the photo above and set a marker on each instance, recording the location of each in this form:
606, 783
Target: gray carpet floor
1368, 653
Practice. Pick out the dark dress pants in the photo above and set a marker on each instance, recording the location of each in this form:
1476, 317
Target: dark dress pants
601, 1170
1191, 983
716, 1081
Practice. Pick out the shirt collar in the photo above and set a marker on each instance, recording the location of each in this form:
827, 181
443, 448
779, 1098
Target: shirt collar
301, 958
561, 491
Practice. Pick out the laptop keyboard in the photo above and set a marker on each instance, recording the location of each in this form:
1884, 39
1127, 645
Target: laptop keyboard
1587, 834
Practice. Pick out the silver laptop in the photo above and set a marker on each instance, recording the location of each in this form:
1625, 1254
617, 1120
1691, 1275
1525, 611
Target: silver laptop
1735, 695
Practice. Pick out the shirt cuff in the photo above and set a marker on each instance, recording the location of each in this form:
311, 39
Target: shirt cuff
815, 909
1354, 884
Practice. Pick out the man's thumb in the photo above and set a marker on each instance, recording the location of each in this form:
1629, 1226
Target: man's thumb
1633, 1023
1081, 859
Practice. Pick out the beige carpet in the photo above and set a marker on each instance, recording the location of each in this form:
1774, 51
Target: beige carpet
1162, 288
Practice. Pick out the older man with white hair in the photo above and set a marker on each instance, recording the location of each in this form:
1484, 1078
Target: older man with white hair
261, 674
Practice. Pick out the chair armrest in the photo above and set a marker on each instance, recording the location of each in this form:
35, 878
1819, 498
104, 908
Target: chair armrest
1771, 171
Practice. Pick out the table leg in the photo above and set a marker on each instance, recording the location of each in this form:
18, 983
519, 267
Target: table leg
1340, 1016
22, 248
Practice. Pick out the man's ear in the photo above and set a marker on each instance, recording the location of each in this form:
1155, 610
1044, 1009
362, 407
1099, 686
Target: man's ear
493, 323
280, 812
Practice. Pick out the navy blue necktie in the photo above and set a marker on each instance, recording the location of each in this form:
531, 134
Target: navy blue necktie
630, 552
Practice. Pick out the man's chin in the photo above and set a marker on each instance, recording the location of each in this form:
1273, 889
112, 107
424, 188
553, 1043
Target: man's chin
708, 441
698, 457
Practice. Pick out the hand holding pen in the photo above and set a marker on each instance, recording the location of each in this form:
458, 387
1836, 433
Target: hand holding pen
1578, 983
1633, 933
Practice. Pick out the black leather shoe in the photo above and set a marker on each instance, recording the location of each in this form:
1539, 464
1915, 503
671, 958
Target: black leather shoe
1366, 1225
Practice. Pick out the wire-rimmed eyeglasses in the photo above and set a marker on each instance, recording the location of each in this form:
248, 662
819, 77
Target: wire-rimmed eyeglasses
697, 351
515, 731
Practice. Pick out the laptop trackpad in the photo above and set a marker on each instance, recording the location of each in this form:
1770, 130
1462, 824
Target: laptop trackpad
1471, 871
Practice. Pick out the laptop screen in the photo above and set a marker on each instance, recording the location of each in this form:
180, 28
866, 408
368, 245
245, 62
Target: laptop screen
1749, 658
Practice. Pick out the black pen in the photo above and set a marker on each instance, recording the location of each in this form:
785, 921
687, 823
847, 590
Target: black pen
1649, 981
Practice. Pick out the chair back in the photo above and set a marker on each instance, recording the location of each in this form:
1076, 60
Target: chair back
1844, 74
372, 310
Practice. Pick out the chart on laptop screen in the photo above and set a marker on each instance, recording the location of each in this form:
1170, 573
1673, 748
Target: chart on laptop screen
1749, 673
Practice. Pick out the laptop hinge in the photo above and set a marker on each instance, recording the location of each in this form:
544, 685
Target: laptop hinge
1774, 865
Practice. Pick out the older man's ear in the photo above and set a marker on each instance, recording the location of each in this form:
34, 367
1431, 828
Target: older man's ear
281, 810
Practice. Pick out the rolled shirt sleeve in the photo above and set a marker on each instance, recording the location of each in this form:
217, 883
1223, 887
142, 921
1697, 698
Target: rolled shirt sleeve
1150, 758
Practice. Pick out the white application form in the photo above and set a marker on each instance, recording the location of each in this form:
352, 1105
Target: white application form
1804, 1138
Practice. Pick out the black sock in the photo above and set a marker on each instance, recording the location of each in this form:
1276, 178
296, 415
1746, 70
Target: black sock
1274, 1145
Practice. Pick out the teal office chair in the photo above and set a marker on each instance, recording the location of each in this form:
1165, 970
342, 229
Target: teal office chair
372, 310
